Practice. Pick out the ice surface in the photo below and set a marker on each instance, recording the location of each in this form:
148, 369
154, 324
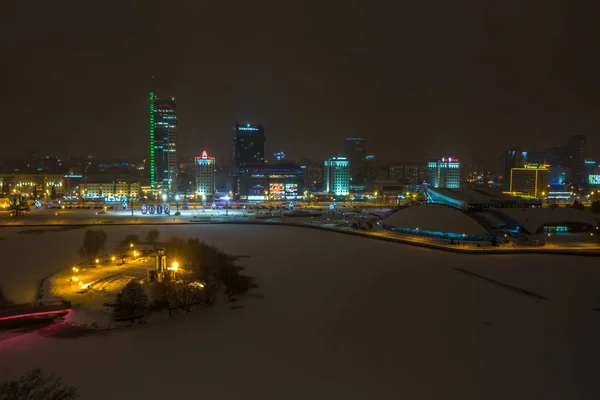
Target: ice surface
343, 317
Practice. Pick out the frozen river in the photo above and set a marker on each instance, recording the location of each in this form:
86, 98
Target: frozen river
343, 317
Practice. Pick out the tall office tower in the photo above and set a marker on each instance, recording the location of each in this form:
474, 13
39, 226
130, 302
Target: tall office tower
248, 145
531, 180
205, 175
355, 149
513, 158
444, 173
336, 174
163, 143
576, 157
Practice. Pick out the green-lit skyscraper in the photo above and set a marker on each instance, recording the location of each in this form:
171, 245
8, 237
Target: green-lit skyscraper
163, 143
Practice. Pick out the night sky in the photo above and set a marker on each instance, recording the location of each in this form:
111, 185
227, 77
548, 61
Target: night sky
417, 79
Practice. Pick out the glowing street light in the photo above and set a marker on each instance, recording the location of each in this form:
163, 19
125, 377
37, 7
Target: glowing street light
175, 265
112, 258
75, 269
164, 197
96, 260
130, 244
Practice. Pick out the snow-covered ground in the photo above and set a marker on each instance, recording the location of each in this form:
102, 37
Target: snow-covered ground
342, 317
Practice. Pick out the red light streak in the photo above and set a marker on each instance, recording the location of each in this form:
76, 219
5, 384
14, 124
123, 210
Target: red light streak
36, 314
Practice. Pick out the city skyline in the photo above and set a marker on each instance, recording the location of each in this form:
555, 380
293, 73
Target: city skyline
465, 88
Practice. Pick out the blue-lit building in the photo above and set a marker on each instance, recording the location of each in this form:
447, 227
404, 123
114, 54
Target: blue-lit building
444, 173
336, 175
268, 182
248, 145
163, 143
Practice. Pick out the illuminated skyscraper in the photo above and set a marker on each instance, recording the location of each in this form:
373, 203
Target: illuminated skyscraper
205, 175
163, 143
531, 180
444, 173
248, 145
336, 175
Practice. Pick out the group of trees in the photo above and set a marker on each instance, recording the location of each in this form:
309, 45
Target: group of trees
4, 301
206, 271
94, 243
36, 386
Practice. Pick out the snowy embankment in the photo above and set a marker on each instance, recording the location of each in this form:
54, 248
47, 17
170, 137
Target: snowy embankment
342, 317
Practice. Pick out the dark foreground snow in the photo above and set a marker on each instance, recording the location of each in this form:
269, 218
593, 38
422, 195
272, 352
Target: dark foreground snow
343, 317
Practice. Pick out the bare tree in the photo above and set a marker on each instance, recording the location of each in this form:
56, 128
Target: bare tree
183, 291
94, 242
152, 238
176, 248
131, 301
36, 386
129, 240
4, 301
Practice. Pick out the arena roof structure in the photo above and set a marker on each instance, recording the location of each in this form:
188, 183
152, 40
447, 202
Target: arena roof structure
436, 220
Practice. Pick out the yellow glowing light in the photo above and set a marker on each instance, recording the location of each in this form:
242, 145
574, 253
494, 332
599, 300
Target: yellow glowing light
97, 261
80, 283
75, 269
175, 265
75, 278
112, 258
130, 244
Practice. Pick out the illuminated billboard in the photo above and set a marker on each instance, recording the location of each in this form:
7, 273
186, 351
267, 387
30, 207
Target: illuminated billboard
291, 189
594, 180
277, 189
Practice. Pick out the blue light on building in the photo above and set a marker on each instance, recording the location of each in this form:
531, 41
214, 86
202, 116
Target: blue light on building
337, 176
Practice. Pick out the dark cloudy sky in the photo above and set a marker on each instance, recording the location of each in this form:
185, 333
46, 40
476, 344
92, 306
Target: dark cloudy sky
416, 78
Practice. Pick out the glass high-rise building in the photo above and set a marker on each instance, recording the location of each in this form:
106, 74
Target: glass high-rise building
336, 175
444, 173
163, 143
355, 149
205, 175
248, 145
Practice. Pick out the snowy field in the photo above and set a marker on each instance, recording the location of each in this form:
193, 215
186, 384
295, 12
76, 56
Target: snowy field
343, 317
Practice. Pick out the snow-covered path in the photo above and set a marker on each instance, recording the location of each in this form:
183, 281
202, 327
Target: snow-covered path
343, 317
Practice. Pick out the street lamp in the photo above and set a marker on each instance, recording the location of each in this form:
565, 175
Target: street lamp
175, 265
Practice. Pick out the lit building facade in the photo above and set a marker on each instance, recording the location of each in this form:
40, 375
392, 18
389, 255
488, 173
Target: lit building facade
110, 191
268, 182
248, 145
336, 175
163, 143
531, 180
28, 184
355, 149
204, 172
444, 173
